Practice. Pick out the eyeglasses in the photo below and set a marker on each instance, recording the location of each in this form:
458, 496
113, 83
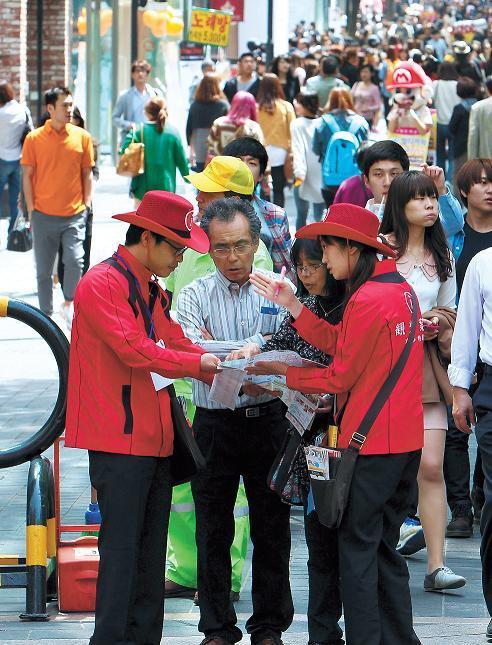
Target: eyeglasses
238, 249
177, 250
309, 269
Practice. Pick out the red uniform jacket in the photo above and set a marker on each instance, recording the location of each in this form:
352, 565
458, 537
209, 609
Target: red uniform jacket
112, 403
365, 346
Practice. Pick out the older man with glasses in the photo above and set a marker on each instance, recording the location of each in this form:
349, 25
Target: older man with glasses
237, 443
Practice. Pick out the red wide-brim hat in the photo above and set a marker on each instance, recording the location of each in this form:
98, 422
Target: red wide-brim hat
349, 222
168, 215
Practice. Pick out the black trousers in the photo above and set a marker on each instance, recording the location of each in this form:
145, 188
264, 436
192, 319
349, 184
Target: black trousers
374, 576
134, 495
279, 183
324, 604
236, 445
482, 403
329, 194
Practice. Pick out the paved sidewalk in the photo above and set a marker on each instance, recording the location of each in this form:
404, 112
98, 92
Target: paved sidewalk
28, 387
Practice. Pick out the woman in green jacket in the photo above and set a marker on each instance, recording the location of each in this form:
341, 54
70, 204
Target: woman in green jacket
164, 152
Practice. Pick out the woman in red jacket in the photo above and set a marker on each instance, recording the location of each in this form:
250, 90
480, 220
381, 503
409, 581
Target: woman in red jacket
366, 346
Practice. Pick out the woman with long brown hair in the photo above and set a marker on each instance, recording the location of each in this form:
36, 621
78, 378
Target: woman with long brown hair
275, 115
209, 104
164, 152
336, 141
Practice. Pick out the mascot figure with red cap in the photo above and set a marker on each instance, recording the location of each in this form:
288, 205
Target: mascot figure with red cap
410, 115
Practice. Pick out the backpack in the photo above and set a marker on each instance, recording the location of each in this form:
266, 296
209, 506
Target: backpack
339, 162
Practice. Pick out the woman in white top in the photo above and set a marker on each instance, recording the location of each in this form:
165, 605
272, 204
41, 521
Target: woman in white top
13, 120
445, 99
411, 224
306, 165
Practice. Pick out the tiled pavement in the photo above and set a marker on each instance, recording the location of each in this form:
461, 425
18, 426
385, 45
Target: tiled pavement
27, 392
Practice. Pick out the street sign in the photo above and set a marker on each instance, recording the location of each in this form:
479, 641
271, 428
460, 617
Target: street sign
190, 51
235, 6
210, 27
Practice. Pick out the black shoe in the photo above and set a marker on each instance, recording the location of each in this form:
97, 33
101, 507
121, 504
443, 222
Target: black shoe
174, 590
234, 598
477, 499
461, 524
488, 633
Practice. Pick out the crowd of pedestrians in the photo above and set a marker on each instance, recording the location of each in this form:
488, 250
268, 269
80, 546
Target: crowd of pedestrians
385, 139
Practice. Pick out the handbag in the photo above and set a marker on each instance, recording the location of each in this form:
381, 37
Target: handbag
331, 496
20, 237
284, 477
132, 161
187, 458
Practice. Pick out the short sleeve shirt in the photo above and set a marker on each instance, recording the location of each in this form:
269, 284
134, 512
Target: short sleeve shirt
58, 159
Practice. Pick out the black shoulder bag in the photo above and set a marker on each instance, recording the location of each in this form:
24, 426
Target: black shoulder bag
187, 458
331, 496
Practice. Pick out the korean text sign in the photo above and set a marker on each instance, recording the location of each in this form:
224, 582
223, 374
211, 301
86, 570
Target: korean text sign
210, 27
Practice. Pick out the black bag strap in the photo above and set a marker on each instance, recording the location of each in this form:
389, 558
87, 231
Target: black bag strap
135, 298
359, 437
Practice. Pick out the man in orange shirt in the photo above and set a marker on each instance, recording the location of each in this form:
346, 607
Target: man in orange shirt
57, 161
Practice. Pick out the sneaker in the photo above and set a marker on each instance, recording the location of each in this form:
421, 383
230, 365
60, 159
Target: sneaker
66, 312
443, 578
412, 537
461, 524
478, 500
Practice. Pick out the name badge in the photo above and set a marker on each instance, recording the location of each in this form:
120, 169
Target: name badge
273, 311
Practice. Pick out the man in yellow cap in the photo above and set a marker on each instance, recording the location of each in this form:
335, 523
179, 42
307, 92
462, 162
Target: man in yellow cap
223, 177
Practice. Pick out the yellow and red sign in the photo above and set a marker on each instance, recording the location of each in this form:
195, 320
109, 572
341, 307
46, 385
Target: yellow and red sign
210, 27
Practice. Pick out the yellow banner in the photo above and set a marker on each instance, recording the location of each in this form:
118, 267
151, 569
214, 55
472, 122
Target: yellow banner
210, 27
416, 146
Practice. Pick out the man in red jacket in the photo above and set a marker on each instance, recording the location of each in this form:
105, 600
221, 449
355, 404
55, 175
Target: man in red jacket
123, 340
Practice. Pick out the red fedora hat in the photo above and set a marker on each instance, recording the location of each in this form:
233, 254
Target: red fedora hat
168, 215
349, 222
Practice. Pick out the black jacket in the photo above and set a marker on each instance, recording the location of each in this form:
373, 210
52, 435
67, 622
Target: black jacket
230, 88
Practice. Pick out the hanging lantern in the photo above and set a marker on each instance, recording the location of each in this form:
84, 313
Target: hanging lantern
175, 26
82, 23
106, 21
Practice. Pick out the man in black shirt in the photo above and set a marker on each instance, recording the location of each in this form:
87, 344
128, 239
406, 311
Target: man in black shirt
474, 182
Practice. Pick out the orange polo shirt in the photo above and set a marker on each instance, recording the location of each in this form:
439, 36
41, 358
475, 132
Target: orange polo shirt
58, 159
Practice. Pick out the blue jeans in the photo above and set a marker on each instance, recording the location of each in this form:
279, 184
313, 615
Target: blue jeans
10, 175
442, 137
302, 206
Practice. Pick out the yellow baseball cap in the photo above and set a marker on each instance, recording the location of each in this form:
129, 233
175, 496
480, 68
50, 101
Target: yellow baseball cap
223, 174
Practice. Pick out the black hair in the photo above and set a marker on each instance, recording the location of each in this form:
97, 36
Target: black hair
134, 234
466, 88
77, 115
51, 96
274, 67
244, 55
309, 101
407, 186
330, 65
386, 150
226, 210
247, 147
364, 268
361, 153
488, 84
335, 289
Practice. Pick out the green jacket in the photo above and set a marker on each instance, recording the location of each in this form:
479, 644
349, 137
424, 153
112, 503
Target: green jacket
164, 153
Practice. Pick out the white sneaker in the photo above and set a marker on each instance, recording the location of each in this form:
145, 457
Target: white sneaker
66, 312
443, 578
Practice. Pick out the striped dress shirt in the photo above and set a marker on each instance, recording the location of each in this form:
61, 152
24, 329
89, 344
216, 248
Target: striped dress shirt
229, 313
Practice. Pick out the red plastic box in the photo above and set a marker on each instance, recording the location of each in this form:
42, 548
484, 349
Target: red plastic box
78, 564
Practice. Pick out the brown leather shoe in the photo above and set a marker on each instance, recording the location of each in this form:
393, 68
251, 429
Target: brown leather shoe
215, 640
173, 590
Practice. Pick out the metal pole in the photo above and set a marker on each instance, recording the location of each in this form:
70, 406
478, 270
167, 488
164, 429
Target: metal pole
39, 66
269, 44
134, 30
